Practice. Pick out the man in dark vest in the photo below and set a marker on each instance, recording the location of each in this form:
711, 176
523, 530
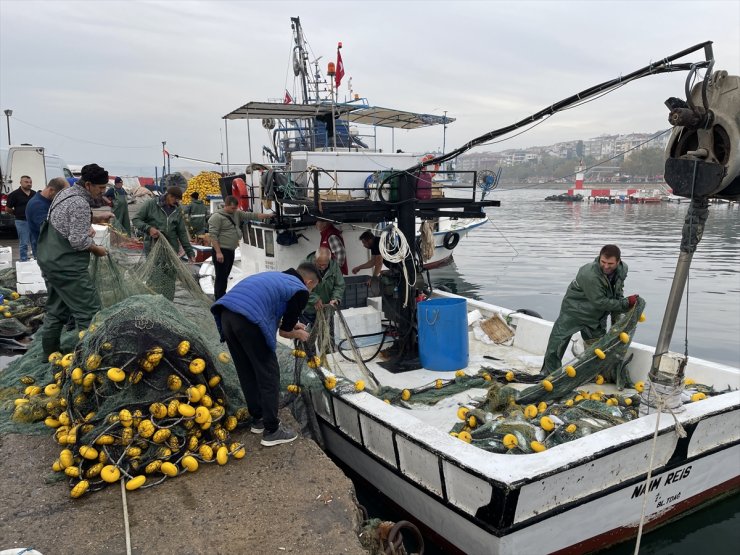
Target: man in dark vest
64, 247
248, 317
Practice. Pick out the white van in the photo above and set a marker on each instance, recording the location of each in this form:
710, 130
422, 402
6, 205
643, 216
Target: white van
33, 161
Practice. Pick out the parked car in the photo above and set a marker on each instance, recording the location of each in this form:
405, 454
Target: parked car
33, 161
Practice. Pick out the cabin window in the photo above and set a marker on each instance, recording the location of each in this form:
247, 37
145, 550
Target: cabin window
260, 239
252, 240
269, 243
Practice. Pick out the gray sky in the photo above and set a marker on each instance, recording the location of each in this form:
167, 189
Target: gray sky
132, 74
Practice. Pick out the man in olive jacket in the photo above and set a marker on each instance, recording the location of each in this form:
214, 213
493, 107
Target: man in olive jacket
591, 297
225, 231
331, 288
161, 218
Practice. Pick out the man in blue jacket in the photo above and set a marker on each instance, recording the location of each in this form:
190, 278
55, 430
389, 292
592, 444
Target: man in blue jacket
248, 317
37, 208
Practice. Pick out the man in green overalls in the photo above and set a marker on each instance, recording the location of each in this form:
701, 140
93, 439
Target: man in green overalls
196, 213
161, 218
596, 293
119, 200
64, 246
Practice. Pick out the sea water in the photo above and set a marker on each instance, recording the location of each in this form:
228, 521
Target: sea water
531, 249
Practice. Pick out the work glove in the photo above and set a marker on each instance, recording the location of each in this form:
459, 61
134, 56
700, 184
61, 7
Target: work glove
632, 300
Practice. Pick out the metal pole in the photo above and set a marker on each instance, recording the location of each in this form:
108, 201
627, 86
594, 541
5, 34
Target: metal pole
226, 131
7, 117
444, 133
164, 158
333, 120
693, 229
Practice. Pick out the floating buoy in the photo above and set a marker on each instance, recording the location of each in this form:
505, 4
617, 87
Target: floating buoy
599, 353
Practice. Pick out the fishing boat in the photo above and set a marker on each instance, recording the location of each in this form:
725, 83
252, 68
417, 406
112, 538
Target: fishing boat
468, 485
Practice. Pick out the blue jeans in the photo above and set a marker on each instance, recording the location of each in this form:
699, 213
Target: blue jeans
24, 239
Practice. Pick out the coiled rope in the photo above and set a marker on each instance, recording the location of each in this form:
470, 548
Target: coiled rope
395, 249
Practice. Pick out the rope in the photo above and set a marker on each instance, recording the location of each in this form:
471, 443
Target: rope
680, 431
647, 478
427, 241
391, 239
127, 531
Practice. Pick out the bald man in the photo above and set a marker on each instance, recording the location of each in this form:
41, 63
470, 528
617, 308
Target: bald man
330, 290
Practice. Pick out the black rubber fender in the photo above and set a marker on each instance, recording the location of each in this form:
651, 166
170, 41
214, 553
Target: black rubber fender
452, 238
528, 312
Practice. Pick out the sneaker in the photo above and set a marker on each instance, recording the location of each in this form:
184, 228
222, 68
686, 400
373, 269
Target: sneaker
257, 426
281, 435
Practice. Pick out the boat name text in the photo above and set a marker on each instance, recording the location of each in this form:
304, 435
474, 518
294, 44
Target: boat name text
671, 478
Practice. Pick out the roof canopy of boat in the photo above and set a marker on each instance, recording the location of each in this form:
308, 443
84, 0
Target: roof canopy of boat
353, 113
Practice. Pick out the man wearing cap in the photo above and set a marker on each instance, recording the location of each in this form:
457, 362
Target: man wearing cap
64, 247
119, 201
162, 218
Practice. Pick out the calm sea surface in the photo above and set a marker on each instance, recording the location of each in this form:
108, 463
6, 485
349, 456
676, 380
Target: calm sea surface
531, 250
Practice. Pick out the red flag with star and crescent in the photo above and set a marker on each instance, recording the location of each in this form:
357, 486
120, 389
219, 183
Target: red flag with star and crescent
340, 67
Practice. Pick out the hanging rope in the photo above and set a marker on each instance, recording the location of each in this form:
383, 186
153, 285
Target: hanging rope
427, 241
395, 249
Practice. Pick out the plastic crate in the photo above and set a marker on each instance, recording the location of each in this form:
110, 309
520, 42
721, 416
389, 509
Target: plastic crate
355, 291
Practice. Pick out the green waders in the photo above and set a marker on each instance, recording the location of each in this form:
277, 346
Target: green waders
120, 211
565, 326
70, 290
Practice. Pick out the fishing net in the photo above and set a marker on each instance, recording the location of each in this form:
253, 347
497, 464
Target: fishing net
604, 361
20, 316
143, 393
7, 278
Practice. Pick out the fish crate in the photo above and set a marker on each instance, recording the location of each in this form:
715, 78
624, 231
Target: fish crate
355, 291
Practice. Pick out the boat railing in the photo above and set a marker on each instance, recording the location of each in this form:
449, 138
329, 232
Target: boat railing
318, 137
364, 192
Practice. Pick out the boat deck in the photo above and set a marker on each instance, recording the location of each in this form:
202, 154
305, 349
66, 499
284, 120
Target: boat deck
443, 414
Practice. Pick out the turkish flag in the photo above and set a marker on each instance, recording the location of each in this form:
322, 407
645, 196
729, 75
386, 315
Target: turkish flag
287, 99
339, 70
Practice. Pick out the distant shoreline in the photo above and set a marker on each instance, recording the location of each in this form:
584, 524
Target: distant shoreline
586, 186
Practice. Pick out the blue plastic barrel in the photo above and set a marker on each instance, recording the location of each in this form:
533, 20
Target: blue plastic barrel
443, 334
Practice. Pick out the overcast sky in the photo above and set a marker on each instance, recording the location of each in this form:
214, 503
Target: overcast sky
86, 79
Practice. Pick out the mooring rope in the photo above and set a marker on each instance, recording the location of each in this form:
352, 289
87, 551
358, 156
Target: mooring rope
126, 529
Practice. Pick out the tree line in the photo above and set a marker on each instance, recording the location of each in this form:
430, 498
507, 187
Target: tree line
640, 165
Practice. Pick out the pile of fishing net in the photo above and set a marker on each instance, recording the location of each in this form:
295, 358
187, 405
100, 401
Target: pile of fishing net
555, 410
126, 272
143, 395
8, 278
20, 316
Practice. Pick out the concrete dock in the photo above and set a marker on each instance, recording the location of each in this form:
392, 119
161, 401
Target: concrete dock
285, 499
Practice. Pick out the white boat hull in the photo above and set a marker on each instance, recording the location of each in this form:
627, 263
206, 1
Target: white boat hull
577, 497
591, 506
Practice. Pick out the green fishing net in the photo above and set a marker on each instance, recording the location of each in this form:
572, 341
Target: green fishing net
142, 387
